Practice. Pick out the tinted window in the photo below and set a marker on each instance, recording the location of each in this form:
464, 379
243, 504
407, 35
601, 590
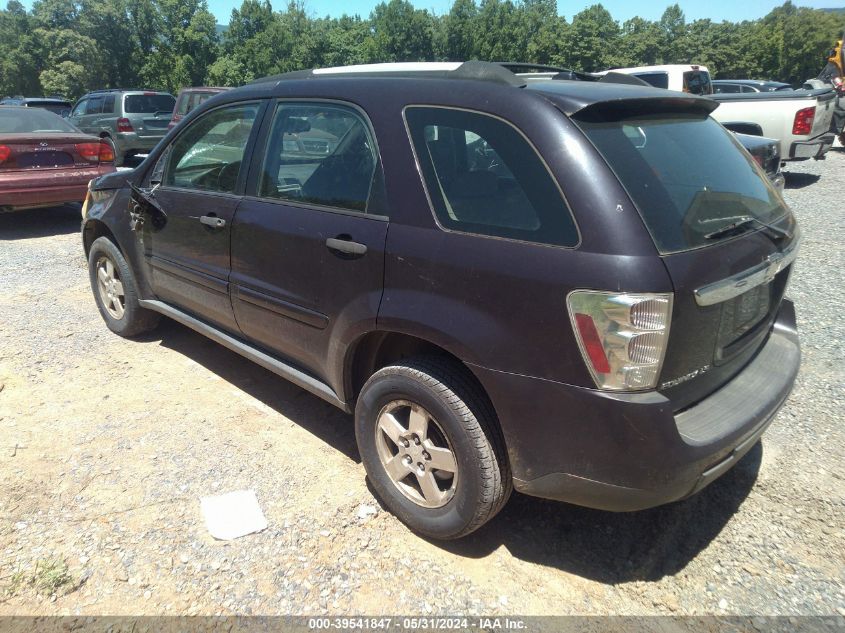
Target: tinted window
18, 120
484, 177
697, 82
208, 154
148, 104
321, 154
56, 107
108, 104
686, 176
658, 80
95, 105
726, 88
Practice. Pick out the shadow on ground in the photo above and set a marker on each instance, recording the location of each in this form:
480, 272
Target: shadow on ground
324, 421
799, 180
33, 223
602, 546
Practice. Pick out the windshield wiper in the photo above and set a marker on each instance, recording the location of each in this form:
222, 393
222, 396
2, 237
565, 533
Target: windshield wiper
742, 223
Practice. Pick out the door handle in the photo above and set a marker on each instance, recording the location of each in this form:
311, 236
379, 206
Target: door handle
346, 246
213, 221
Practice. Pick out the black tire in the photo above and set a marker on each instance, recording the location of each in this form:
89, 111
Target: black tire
135, 319
456, 402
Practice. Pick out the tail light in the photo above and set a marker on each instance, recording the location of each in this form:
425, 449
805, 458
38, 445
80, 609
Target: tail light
89, 151
5, 152
106, 153
95, 152
123, 125
803, 123
622, 337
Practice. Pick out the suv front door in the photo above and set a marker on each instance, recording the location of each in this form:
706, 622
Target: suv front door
192, 195
308, 243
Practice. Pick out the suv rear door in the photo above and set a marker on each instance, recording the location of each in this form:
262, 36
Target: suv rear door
308, 240
149, 113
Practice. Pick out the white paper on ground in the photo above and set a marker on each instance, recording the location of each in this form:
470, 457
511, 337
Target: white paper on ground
233, 515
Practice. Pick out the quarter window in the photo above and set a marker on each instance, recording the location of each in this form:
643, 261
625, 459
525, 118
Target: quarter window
209, 153
484, 177
319, 154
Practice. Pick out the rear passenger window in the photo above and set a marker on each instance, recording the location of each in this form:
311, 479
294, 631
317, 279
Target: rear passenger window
95, 105
108, 104
484, 177
321, 154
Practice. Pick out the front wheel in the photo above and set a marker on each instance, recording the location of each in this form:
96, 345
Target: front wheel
431, 447
115, 291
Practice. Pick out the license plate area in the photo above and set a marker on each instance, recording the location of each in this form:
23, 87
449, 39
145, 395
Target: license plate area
742, 319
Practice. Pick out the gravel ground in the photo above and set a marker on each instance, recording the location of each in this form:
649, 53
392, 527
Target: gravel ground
107, 445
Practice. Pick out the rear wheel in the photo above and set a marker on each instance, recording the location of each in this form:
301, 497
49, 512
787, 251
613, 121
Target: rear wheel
115, 291
431, 446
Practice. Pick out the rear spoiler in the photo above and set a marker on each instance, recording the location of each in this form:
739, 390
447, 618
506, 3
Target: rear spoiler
623, 108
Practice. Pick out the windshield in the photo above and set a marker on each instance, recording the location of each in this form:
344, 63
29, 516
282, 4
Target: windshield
149, 104
687, 175
697, 82
29, 120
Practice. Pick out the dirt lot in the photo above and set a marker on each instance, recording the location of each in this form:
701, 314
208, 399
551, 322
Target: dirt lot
107, 445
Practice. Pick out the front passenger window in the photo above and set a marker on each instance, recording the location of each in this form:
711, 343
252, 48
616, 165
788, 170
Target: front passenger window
321, 154
208, 154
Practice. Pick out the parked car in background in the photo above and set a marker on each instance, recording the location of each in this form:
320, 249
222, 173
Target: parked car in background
133, 121
57, 105
733, 86
45, 161
800, 119
604, 325
766, 153
691, 78
190, 98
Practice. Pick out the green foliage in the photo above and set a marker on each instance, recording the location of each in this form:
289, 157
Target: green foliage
70, 46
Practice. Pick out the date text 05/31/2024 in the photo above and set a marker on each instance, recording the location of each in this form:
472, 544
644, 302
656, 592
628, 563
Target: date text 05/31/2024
416, 624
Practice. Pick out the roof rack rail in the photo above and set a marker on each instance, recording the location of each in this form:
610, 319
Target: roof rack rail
476, 70
105, 90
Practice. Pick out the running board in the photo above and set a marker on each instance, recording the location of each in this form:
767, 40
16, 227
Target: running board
297, 377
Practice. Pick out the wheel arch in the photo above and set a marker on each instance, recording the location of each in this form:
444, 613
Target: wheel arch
94, 229
377, 349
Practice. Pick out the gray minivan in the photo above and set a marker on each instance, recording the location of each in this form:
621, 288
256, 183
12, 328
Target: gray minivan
134, 121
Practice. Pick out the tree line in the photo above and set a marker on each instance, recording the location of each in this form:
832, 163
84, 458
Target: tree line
67, 47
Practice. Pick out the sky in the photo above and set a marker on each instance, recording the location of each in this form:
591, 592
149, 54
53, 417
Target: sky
621, 10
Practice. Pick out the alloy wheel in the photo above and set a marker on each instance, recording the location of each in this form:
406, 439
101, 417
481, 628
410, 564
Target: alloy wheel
416, 454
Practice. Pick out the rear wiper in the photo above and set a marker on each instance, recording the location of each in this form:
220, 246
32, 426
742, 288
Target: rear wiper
738, 225
743, 223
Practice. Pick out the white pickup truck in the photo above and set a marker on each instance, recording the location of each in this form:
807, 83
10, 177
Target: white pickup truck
800, 119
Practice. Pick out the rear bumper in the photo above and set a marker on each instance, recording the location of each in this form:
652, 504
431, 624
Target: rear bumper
813, 148
625, 452
132, 142
44, 188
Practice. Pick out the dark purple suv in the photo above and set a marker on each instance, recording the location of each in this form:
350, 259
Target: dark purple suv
574, 289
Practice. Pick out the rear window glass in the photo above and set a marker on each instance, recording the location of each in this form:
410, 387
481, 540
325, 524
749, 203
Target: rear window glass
484, 177
56, 107
658, 80
148, 104
687, 176
697, 82
27, 120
